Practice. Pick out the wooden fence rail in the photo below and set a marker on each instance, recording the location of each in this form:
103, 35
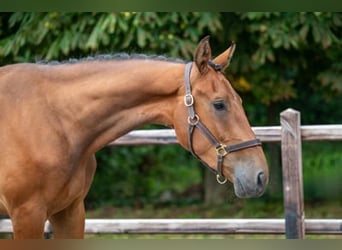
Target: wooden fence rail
195, 226
265, 134
294, 225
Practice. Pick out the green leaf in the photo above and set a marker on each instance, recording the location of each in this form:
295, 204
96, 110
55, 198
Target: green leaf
303, 33
141, 37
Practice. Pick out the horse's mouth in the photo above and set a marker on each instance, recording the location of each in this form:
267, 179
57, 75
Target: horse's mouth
245, 191
238, 189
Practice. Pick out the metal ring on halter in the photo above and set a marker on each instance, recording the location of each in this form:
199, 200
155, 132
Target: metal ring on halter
193, 121
218, 179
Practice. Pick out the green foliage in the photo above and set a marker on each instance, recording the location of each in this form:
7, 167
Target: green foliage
142, 174
282, 54
57, 35
322, 170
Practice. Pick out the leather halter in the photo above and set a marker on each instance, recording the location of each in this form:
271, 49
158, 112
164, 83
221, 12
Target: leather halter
195, 122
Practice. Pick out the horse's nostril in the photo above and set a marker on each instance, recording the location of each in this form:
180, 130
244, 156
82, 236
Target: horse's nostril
261, 179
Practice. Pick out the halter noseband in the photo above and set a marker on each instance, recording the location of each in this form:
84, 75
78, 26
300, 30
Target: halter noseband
194, 122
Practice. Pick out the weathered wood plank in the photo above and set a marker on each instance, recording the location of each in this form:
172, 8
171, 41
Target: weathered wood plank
184, 226
203, 226
291, 150
168, 136
152, 136
268, 134
265, 134
321, 132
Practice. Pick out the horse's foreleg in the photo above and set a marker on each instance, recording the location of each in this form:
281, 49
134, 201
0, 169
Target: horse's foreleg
69, 223
28, 222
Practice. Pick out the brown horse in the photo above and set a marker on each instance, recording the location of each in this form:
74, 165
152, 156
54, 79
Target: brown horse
54, 117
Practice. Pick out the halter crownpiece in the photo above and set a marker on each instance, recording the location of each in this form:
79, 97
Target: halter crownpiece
195, 122
215, 66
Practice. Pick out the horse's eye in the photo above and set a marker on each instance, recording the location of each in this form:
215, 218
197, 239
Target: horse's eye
219, 105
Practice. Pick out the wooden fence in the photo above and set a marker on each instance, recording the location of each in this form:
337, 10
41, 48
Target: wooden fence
294, 225
195, 226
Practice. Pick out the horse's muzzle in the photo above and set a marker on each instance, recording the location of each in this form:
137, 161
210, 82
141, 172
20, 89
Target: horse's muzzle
249, 183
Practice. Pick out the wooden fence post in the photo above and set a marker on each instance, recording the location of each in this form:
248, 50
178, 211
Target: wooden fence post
291, 148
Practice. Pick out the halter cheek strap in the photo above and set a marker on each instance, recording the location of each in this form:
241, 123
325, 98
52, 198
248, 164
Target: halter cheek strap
195, 122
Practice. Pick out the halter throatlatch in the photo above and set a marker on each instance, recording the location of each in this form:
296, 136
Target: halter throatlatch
195, 122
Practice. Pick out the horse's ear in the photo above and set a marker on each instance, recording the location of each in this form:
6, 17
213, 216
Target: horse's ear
203, 55
225, 57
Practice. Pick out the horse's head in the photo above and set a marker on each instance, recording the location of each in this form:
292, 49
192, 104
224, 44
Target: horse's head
211, 123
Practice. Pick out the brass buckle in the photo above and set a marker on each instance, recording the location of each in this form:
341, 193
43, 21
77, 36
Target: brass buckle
221, 150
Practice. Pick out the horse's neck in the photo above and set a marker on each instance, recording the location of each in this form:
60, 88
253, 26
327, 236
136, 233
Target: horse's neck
116, 97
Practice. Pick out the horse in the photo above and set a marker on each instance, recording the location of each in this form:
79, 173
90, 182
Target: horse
55, 116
